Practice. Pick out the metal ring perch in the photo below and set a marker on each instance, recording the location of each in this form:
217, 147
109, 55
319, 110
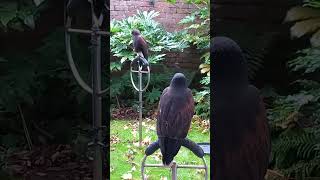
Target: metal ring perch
95, 32
73, 67
141, 62
139, 71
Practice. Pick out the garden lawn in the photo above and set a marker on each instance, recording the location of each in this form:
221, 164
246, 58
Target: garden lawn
126, 157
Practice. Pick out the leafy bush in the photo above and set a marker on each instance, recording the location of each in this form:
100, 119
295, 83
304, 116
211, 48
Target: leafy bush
20, 15
24, 76
307, 61
157, 38
295, 119
197, 33
296, 140
306, 19
41, 82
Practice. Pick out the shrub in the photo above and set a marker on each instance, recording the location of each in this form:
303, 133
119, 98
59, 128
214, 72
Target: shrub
157, 38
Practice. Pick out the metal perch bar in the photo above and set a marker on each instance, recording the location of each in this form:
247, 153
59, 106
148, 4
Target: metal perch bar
178, 166
142, 72
195, 148
95, 90
73, 67
145, 72
84, 31
140, 89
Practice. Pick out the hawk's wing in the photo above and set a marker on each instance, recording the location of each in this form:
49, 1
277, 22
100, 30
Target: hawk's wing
175, 113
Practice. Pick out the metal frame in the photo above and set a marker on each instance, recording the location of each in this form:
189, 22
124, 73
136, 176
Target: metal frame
174, 167
187, 143
140, 89
95, 89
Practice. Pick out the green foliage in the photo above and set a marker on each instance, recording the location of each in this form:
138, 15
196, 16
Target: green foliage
157, 38
294, 118
295, 122
312, 3
307, 61
153, 95
202, 98
197, 33
24, 75
41, 82
20, 15
306, 19
121, 90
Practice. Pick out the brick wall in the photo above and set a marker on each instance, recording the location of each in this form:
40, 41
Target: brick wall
170, 15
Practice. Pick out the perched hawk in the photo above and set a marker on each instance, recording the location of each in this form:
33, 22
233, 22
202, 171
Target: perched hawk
241, 140
176, 109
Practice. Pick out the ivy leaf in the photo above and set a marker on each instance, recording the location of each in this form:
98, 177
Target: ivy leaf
8, 11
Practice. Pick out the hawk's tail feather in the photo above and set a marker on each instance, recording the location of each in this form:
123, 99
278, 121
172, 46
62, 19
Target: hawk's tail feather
169, 149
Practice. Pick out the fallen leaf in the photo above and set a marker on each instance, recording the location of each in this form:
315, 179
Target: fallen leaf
157, 156
136, 144
146, 141
133, 168
114, 139
146, 177
134, 133
200, 171
127, 176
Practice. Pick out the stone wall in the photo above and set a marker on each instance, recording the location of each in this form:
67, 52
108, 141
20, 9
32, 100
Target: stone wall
170, 15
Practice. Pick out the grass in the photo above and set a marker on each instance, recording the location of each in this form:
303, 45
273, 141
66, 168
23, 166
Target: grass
126, 156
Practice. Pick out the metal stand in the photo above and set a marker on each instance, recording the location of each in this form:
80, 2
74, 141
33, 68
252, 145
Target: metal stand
96, 91
195, 148
140, 89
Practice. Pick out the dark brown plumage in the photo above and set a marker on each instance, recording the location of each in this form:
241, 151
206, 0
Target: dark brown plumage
176, 108
139, 43
240, 129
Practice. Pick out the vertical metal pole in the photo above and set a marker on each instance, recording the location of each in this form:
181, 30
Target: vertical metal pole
96, 102
174, 170
140, 111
